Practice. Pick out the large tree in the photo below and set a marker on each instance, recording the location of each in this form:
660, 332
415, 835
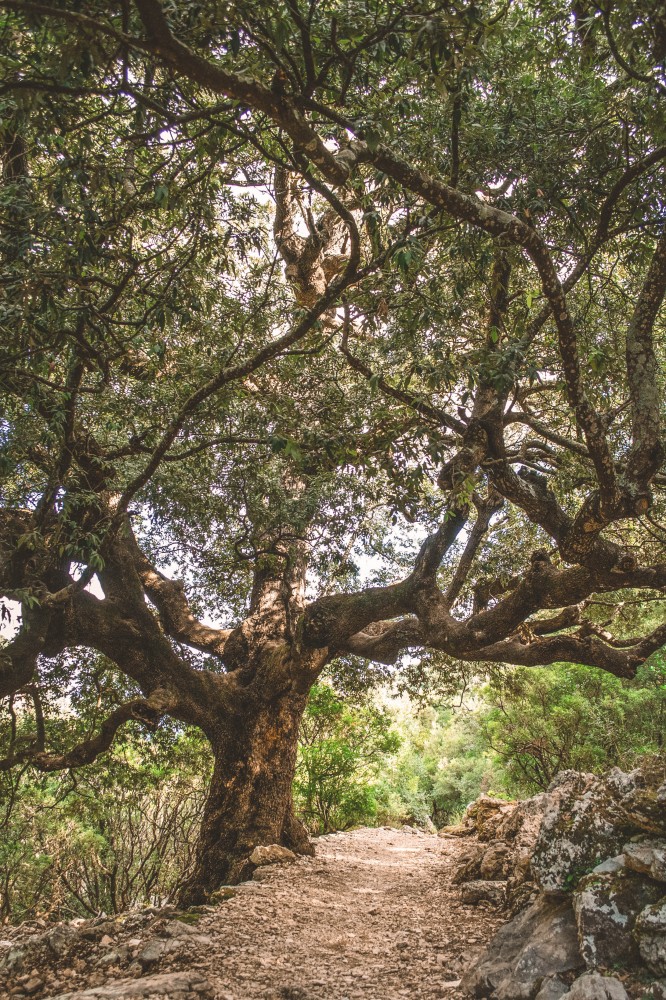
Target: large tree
287, 288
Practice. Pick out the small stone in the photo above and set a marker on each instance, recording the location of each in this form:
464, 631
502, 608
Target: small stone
272, 854
61, 939
152, 952
647, 858
108, 958
592, 986
610, 866
178, 928
490, 892
650, 933
14, 959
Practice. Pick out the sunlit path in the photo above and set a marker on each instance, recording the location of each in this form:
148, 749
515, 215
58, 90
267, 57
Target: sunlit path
372, 915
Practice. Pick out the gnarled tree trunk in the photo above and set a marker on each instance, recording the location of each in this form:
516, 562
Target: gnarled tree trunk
250, 796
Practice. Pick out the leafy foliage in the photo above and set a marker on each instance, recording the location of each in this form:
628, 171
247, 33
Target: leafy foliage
342, 749
539, 723
116, 836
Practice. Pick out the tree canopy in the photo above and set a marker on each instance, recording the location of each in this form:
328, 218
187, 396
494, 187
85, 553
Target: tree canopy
330, 330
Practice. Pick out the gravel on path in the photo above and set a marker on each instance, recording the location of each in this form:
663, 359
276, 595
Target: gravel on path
372, 915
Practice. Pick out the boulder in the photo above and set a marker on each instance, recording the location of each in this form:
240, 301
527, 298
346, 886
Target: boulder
537, 944
490, 892
485, 814
596, 842
607, 905
174, 985
650, 933
641, 795
495, 862
552, 989
520, 826
647, 857
491, 862
581, 828
520, 896
592, 986
453, 830
510, 830
272, 854
468, 867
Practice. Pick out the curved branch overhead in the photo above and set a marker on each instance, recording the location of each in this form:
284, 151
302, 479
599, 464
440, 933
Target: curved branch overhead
141, 710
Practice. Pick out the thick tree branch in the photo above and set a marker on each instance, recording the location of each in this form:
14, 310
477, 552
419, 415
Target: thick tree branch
250, 92
148, 711
647, 450
18, 658
435, 547
331, 621
386, 641
562, 649
177, 620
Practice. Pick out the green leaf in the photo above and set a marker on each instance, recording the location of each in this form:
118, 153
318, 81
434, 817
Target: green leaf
161, 195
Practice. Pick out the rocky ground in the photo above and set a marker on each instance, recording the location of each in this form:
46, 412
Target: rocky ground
373, 915
581, 868
559, 897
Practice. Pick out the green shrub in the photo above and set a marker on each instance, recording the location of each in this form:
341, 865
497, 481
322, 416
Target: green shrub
539, 722
342, 749
117, 836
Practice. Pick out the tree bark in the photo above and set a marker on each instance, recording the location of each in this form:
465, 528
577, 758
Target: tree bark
250, 797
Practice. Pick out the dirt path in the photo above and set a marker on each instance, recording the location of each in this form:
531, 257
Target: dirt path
373, 915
